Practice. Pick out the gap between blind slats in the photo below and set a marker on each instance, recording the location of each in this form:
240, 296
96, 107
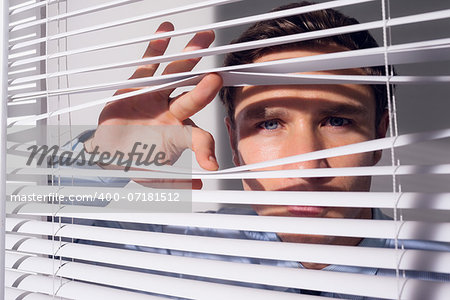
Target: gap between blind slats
21, 87
384, 287
24, 70
23, 37
13, 88
83, 11
367, 146
20, 54
169, 85
16, 294
250, 78
233, 47
272, 74
24, 103
159, 284
227, 48
431, 201
325, 254
441, 169
27, 6
400, 54
242, 21
242, 79
163, 13
23, 21
62, 287
382, 229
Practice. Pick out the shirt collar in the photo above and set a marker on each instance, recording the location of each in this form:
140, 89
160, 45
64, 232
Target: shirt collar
366, 242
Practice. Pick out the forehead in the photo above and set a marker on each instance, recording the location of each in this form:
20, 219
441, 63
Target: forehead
305, 96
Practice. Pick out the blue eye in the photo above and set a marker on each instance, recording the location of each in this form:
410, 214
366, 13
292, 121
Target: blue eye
337, 121
270, 124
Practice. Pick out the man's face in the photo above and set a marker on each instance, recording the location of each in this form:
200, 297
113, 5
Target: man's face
278, 121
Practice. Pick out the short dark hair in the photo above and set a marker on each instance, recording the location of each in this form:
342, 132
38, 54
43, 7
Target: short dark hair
317, 20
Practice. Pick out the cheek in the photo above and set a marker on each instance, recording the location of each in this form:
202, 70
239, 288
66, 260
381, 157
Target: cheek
353, 183
252, 151
354, 160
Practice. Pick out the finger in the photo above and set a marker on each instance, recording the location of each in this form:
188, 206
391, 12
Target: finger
155, 48
192, 102
203, 145
124, 91
201, 40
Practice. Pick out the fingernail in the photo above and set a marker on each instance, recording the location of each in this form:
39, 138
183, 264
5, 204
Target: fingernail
212, 159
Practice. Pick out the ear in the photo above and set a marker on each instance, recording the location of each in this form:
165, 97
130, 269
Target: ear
381, 133
232, 139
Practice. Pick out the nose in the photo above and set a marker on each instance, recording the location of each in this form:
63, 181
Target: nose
305, 140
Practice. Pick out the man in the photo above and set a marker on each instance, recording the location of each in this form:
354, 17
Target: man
270, 122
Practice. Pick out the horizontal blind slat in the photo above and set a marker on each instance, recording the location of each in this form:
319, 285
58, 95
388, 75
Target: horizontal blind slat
404, 200
432, 16
400, 54
411, 228
366, 146
186, 288
28, 5
224, 24
442, 169
162, 13
324, 254
203, 52
69, 288
384, 287
168, 85
14, 294
386, 229
63, 16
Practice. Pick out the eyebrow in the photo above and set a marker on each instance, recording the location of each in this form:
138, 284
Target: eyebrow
345, 109
267, 112
264, 112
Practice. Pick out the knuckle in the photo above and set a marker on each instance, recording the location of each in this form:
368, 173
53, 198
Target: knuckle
146, 68
208, 136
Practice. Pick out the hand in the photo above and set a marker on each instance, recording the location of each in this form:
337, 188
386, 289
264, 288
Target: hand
158, 108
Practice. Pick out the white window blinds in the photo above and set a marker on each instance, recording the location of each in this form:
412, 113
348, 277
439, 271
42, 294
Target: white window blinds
64, 60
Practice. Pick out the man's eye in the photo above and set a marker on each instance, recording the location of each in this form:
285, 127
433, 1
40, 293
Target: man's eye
270, 124
337, 121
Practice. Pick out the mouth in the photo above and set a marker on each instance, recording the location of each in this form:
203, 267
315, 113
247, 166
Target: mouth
305, 211
298, 210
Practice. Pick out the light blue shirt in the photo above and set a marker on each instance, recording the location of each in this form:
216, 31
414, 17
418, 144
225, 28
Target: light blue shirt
251, 235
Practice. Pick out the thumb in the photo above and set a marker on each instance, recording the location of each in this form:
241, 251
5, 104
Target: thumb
203, 146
